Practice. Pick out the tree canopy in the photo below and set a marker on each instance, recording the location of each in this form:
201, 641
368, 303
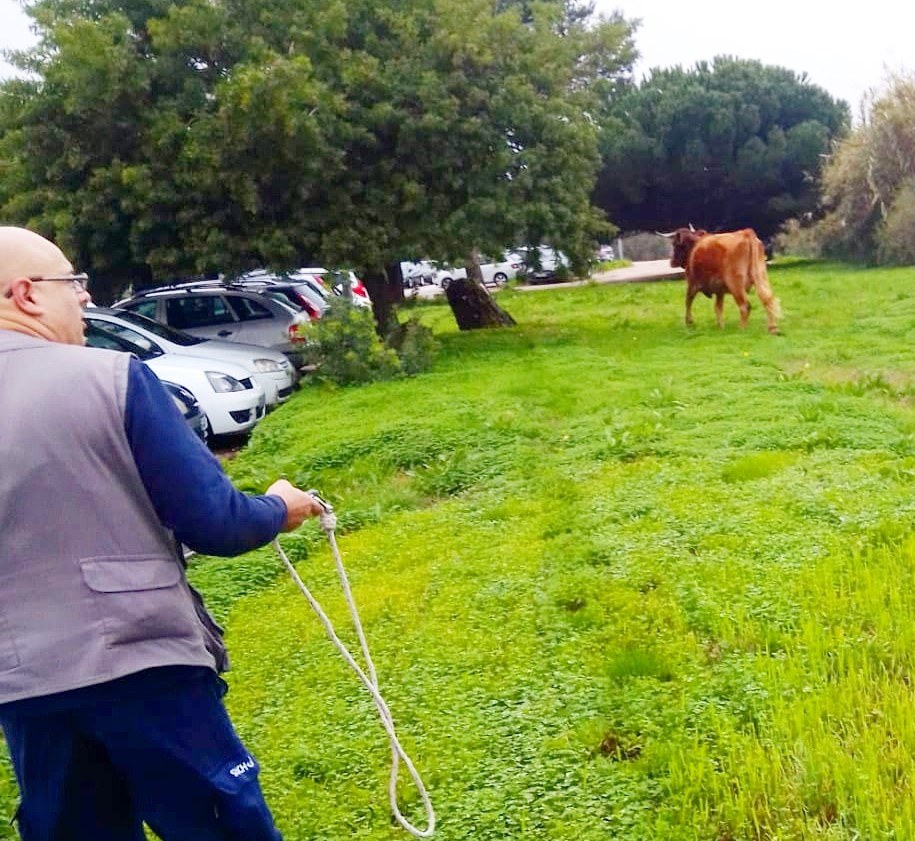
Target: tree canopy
158, 138
725, 145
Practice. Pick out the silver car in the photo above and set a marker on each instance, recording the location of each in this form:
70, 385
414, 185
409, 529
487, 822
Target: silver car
270, 368
212, 310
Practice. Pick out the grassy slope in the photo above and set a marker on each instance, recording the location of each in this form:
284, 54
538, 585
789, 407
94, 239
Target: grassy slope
620, 579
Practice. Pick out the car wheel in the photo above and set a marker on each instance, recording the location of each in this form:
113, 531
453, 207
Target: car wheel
446, 282
500, 277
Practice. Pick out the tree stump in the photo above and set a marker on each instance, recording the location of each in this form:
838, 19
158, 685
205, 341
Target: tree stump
474, 307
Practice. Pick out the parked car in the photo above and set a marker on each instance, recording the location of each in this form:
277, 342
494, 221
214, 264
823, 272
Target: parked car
212, 310
270, 368
430, 272
543, 263
443, 274
338, 280
189, 407
606, 253
499, 272
301, 294
232, 402
417, 273
317, 284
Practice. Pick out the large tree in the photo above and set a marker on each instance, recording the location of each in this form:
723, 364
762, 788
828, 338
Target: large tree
729, 144
161, 139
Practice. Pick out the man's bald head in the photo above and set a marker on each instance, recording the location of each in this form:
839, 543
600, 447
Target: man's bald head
24, 253
52, 311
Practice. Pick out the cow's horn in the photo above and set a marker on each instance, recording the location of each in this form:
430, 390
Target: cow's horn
661, 234
691, 227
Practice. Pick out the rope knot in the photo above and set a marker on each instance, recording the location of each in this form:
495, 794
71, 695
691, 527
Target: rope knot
328, 520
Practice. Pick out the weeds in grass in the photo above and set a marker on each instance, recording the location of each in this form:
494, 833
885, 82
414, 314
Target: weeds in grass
621, 580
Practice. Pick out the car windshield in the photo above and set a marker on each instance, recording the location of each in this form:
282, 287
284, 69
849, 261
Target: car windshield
97, 336
170, 334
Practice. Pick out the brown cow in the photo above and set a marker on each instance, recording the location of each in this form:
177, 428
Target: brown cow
717, 264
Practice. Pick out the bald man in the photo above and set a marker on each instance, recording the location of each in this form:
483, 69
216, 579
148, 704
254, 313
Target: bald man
110, 698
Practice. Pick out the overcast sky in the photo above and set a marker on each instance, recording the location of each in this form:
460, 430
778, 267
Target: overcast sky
845, 48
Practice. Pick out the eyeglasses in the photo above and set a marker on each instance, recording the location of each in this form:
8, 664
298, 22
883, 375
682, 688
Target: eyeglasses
80, 281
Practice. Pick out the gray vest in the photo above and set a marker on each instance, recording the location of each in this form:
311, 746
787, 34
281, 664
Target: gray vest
91, 585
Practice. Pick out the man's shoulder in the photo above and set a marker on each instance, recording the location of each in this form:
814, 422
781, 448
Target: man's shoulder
74, 357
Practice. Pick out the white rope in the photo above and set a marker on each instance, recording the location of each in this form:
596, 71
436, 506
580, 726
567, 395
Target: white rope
370, 680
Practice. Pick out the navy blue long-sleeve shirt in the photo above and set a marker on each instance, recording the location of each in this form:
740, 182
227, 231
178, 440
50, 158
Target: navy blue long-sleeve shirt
189, 490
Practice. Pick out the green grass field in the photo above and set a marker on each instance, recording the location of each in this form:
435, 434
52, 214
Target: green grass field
621, 580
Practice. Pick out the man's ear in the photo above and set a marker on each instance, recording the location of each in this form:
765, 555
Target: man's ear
21, 293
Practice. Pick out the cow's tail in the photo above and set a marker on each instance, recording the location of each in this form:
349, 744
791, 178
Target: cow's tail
759, 277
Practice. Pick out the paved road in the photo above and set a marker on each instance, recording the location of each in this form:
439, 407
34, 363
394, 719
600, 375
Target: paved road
642, 272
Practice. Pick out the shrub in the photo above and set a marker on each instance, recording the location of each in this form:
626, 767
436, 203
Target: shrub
414, 345
345, 349
645, 246
796, 240
867, 184
896, 235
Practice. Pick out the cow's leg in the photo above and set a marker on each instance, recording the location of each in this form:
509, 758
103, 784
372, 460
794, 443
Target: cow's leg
719, 308
690, 294
744, 306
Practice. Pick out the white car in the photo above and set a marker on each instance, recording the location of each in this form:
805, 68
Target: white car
495, 273
499, 272
429, 273
271, 369
416, 274
232, 402
442, 275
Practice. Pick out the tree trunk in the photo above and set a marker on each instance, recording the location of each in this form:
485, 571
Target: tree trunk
385, 288
471, 303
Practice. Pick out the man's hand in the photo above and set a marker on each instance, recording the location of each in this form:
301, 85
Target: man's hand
299, 505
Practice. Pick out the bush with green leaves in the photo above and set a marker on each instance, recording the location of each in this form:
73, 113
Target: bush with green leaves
345, 349
415, 346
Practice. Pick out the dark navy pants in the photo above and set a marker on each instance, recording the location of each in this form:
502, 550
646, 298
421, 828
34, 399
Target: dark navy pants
156, 747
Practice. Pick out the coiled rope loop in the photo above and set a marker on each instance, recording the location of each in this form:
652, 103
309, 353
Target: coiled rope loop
369, 679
